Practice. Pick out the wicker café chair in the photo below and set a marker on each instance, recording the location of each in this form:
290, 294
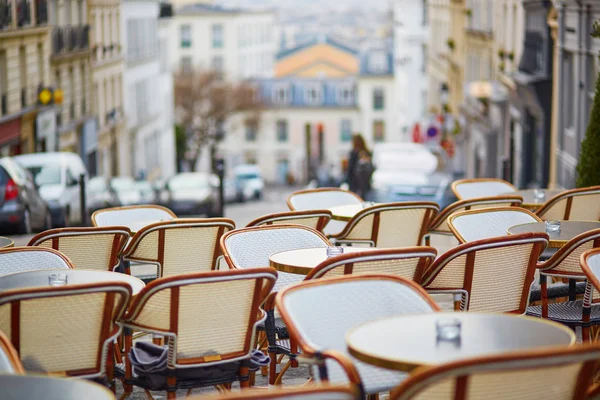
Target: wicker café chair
209, 319
487, 223
320, 312
252, 247
410, 263
179, 246
439, 224
576, 205
19, 259
466, 189
9, 358
315, 219
130, 215
389, 225
566, 263
89, 248
315, 392
323, 198
559, 373
64, 330
491, 275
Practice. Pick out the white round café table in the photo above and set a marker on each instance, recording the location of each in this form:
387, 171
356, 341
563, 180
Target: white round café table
568, 230
406, 342
530, 201
346, 212
20, 387
74, 277
302, 261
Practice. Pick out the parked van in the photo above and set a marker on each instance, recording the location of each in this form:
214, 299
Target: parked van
57, 177
251, 180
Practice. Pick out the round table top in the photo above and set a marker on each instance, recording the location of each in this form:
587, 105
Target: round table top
347, 211
18, 387
568, 230
408, 341
530, 201
6, 242
74, 276
302, 261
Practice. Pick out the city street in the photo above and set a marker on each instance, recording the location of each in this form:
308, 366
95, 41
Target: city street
273, 201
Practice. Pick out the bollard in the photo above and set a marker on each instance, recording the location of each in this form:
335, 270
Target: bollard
82, 201
220, 169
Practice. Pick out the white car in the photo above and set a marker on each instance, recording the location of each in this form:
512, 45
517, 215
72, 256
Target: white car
251, 180
57, 176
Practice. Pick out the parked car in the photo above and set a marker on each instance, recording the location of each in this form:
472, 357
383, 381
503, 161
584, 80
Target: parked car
100, 195
191, 193
251, 180
146, 191
22, 209
411, 172
57, 177
233, 191
126, 190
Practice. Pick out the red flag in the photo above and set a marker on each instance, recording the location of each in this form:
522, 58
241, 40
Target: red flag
416, 134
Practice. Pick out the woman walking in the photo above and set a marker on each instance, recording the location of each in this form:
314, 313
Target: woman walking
360, 167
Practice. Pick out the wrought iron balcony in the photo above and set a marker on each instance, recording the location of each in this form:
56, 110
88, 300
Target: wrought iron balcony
41, 12
23, 13
70, 38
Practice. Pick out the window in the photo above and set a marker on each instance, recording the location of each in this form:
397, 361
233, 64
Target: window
186, 36
378, 62
217, 66
378, 99
281, 94
217, 36
162, 45
312, 94
345, 95
282, 131
378, 130
569, 89
251, 130
345, 130
186, 65
142, 39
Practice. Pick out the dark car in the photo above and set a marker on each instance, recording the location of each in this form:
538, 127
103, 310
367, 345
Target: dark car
100, 195
22, 210
191, 193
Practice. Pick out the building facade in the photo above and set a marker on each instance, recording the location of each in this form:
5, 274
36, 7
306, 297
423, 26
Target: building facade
575, 79
24, 72
410, 64
239, 44
107, 68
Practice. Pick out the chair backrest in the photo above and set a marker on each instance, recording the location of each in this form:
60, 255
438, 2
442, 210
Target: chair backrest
562, 374
9, 358
64, 329
252, 247
179, 246
19, 259
319, 312
440, 222
409, 263
590, 265
210, 317
496, 274
90, 248
473, 225
390, 224
577, 205
465, 189
322, 198
329, 392
566, 262
315, 219
129, 215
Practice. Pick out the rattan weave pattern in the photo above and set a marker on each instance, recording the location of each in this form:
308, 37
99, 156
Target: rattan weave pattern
87, 251
485, 225
451, 276
18, 261
147, 248
189, 249
584, 207
405, 267
470, 190
156, 311
498, 278
322, 314
443, 227
362, 229
128, 216
400, 228
571, 262
320, 200
220, 326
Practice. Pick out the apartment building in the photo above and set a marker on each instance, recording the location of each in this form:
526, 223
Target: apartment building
24, 73
70, 72
140, 150
439, 22
240, 44
107, 66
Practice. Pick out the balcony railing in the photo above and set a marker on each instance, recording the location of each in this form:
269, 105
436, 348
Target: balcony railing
41, 12
5, 14
23, 13
70, 38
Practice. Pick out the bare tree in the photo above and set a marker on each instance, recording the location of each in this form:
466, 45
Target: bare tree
204, 103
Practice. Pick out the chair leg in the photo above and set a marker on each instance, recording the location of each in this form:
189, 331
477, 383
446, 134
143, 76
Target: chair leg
244, 377
280, 375
544, 292
127, 335
171, 387
110, 367
272, 367
585, 334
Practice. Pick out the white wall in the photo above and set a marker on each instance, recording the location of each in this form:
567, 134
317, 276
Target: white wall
437, 66
366, 87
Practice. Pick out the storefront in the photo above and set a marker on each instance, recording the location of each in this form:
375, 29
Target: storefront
10, 138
